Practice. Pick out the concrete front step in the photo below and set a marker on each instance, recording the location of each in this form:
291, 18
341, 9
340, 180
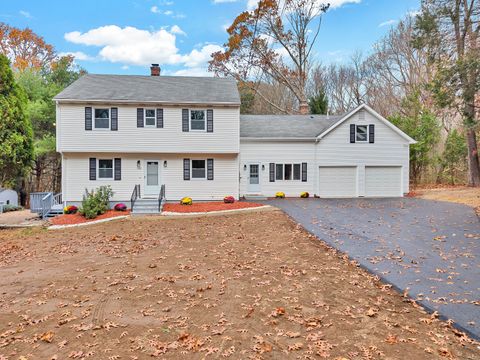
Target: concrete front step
145, 212
255, 197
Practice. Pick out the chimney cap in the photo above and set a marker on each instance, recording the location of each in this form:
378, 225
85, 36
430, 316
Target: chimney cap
155, 65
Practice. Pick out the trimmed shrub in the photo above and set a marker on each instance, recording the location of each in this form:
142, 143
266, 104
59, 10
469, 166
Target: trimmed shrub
96, 202
186, 201
228, 199
304, 195
120, 207
72, 209
280, 195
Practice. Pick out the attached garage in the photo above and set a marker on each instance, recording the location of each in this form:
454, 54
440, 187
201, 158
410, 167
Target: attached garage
383, 181
337, 181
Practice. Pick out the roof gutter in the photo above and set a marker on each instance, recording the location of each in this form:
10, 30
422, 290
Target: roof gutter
248, 138
112, 101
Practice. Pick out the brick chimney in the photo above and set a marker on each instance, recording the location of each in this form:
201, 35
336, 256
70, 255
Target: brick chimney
304, 109
155, 70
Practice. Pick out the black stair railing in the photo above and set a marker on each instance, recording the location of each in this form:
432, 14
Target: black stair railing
135, 195
161, 197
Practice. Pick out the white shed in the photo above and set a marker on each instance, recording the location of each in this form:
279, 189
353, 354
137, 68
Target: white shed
8, 197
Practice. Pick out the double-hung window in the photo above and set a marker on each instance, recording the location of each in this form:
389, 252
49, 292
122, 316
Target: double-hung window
197, 120
150, 118
102, 119
199, 170
287, 172
105, 168
361, 133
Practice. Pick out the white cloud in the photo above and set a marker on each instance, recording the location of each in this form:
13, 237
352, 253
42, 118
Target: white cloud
251, 4
132, 46
198, 71
25, 14
156, 10
129, 45
177, 30
78, 55
388, 23
196, 58
338, 3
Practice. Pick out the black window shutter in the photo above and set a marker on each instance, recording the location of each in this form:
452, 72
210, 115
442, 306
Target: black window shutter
139, 117
186, 169
185, 126
352, 133
272, 172
88, 118
209, 169
304, 172
210, 120
371, 133
118, 169
93, 169
114, 119
159, 118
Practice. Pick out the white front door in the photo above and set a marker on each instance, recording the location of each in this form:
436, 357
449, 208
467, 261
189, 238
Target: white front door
152, 177
254, 178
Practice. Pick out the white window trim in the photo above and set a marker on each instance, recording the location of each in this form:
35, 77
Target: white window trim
367, 133
191, 170
204, 120
283, 172
109, 119
98, 170
145, 118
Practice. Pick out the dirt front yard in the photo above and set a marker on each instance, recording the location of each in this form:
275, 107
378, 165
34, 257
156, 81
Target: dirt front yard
242, 286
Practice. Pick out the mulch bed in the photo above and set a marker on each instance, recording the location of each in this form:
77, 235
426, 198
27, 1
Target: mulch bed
209, 206
73, 219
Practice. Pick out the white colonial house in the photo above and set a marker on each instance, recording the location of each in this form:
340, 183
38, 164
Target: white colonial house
137, 133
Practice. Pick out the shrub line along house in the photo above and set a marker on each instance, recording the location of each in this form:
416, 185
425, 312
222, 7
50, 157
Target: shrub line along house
187, 133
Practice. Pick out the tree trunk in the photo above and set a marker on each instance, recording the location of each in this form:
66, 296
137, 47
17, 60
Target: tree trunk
473, 163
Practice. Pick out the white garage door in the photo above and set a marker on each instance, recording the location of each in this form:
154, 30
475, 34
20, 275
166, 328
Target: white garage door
383, 181
337, 181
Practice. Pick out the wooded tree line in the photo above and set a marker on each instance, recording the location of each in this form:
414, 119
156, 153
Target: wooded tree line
424, 76
31, 74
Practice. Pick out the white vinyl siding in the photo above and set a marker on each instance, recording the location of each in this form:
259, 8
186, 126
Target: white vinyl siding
72, 136
76, 179
281, 153
383, 181
389, 149
338, 181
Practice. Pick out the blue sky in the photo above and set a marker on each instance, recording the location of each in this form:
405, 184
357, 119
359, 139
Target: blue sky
125, 36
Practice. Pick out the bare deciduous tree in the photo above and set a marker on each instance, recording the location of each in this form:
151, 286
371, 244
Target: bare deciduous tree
273, 43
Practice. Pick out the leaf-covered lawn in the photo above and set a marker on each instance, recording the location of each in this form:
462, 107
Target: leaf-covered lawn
243, 286
462, 195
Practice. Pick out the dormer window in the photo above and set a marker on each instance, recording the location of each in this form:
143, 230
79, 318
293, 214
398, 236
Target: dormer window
102, 118
197, 120
361, 134
150, 118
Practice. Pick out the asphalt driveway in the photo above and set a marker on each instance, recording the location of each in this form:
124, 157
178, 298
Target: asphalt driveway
429, 248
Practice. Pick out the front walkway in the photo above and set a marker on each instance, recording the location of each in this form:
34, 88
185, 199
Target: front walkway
430, 249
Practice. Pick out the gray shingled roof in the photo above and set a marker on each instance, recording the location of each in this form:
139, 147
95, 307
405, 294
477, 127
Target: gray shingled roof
285, 126
163, 89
